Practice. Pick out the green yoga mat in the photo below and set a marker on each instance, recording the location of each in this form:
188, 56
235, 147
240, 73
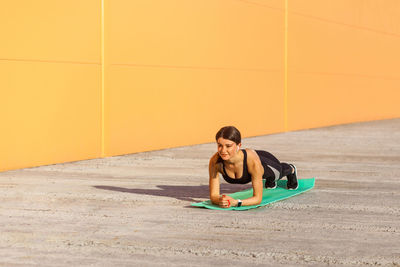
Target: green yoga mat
269, 195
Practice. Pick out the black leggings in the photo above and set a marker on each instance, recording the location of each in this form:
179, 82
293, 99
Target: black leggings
273, 168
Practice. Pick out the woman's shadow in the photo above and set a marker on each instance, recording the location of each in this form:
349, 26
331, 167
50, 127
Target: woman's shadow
181, 192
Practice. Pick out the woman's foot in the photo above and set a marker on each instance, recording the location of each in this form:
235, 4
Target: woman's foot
292, 183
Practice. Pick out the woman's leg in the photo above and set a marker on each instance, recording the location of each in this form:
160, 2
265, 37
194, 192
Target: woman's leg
272, 172
287, 169
275, 170
274, 165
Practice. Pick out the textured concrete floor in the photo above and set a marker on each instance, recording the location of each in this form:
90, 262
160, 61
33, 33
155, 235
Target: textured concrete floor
134, 210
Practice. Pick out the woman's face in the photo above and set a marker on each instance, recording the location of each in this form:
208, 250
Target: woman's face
227, 148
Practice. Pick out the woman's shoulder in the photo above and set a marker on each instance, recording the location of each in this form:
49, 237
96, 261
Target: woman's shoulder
216, 162
251, 153
252, 156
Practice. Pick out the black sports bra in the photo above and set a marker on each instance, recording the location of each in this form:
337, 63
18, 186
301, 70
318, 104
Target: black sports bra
246, 177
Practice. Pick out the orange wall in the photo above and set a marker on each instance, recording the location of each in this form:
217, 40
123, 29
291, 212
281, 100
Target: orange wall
343, 61
169, 73
178, 70
49, 82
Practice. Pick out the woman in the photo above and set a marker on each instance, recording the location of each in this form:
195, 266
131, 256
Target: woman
241, 166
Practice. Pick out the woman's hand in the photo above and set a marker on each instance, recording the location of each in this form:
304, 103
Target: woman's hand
227, 202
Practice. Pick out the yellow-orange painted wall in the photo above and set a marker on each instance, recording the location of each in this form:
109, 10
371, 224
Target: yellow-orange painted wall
178, 70
49, 82
343, 61
165, 73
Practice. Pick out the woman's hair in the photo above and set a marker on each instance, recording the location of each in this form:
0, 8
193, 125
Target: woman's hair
230, 133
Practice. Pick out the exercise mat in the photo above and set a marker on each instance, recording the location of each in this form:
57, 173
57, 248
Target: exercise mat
269, 195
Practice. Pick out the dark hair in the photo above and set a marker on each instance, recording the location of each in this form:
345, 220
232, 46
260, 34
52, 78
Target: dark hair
230, 133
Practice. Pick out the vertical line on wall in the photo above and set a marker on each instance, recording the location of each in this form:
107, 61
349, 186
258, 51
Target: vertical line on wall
102, 79
285, 86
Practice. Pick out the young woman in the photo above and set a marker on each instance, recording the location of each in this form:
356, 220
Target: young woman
241, 166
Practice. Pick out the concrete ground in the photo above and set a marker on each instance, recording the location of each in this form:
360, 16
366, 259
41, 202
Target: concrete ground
134, 210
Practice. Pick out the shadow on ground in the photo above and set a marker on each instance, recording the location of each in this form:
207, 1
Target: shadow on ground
181, 192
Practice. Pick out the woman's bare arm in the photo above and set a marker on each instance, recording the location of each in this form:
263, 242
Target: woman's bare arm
214, 179
256, 171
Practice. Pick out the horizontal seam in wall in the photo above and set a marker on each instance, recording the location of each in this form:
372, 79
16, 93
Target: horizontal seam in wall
347, 74
50, 61
195, 67
258, 4
345, 24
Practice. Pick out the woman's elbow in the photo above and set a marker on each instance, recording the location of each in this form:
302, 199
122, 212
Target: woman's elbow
214, 199
258, 200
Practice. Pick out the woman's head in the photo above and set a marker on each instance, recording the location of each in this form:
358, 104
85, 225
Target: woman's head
230, 133
229, 141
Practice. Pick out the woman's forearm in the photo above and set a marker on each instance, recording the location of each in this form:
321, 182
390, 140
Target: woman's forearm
250, 201
215, 200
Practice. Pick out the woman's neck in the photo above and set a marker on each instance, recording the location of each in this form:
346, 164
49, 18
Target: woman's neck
235, 159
